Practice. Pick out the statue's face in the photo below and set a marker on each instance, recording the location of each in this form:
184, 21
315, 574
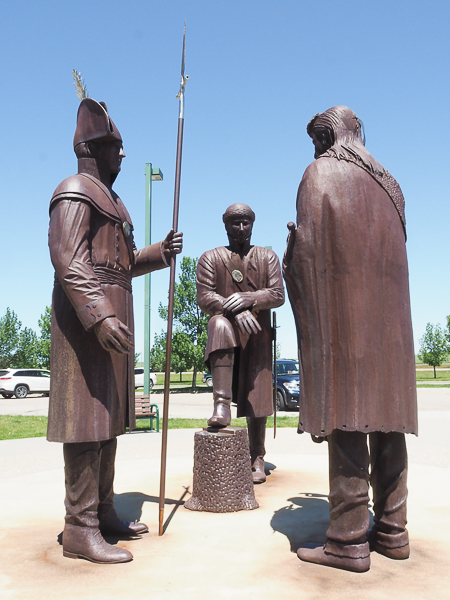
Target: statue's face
320, 141
239, 228
114, 154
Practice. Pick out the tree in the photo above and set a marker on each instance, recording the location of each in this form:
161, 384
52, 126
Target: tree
26, 355
9, 338
45, 325
181, 353
22, 348
434, 346
278, 350
189, 340
184, 353
158, 352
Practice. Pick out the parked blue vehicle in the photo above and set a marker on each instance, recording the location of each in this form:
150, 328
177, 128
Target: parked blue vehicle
288, 384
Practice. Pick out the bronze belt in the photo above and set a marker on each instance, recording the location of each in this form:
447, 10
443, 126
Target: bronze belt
113, 277
109, 276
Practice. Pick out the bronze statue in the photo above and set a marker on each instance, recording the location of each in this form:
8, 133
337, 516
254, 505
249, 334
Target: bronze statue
347, 278
238, 285
92, 360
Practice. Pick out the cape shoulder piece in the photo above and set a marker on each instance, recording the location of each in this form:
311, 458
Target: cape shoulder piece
87, 189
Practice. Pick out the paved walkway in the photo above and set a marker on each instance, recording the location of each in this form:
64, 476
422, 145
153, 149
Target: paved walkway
249, 554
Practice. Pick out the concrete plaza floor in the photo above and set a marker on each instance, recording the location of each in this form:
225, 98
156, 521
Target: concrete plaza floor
249, 554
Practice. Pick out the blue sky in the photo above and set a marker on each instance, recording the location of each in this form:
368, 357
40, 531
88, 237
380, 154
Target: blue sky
259, 71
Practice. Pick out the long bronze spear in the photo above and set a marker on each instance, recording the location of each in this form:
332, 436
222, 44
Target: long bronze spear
176, 202
274, 338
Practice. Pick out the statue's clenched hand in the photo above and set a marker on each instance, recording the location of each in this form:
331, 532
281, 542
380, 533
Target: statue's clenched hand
238, 302
173, 243
114, 336
247, 322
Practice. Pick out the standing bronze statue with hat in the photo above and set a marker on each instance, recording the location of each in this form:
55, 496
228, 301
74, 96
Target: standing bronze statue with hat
346, 272
92, 360
238, 285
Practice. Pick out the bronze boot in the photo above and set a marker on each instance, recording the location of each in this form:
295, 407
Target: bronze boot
109, 522
222, 375
256, 427
389, 462
81, 536
354, 557
346, 546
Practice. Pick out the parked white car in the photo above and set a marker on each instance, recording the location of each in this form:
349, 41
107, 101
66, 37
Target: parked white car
21, 382
139, 378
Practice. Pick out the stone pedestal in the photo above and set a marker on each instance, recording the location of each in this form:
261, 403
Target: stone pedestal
222, 471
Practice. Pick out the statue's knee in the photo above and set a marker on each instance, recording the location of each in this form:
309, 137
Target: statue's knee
219, 323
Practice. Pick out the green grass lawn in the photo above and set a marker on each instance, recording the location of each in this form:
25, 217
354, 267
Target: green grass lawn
428, 386
177, 379
176, 382
429, 375
14, 427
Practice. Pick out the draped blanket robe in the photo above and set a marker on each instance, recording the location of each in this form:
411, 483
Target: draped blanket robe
347, 281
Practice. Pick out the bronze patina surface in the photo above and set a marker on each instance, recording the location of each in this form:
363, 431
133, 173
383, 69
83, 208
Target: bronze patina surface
238, 285
222, 471
92, 358
346, 273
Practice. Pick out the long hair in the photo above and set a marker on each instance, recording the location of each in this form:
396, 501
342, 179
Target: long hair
341, 129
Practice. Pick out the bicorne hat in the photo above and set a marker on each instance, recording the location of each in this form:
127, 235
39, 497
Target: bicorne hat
94, 123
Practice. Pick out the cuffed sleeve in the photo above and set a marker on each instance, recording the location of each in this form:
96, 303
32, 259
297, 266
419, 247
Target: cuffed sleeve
93, 312
149, 259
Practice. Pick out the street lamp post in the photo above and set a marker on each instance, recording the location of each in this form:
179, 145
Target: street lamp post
151, 174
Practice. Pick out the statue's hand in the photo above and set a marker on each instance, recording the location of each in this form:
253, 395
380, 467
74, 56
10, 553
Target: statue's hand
289, 245
247, 322
238, 302
173, 244
113, 336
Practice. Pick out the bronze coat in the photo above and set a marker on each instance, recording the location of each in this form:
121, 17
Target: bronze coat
252, 378
348, 286
92, 390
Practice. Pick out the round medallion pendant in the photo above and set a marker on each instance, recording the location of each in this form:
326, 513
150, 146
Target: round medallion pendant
237, 276
126, 228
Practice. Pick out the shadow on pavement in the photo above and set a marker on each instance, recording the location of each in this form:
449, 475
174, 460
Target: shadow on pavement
129, 505
268, 468
304, 520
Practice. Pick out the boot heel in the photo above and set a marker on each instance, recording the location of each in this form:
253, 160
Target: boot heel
69, 554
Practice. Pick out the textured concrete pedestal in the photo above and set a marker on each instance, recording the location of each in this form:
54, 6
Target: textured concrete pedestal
222, 471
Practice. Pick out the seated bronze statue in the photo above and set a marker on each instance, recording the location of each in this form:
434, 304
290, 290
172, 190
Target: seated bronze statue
238, 285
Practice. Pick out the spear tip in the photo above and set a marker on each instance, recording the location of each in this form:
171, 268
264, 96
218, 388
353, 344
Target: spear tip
184, 50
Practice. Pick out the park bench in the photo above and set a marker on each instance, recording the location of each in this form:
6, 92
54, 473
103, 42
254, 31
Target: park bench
144, 409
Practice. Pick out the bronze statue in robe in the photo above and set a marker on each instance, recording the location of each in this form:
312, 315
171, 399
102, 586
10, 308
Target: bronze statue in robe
92, 359
238, 285
346, 273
